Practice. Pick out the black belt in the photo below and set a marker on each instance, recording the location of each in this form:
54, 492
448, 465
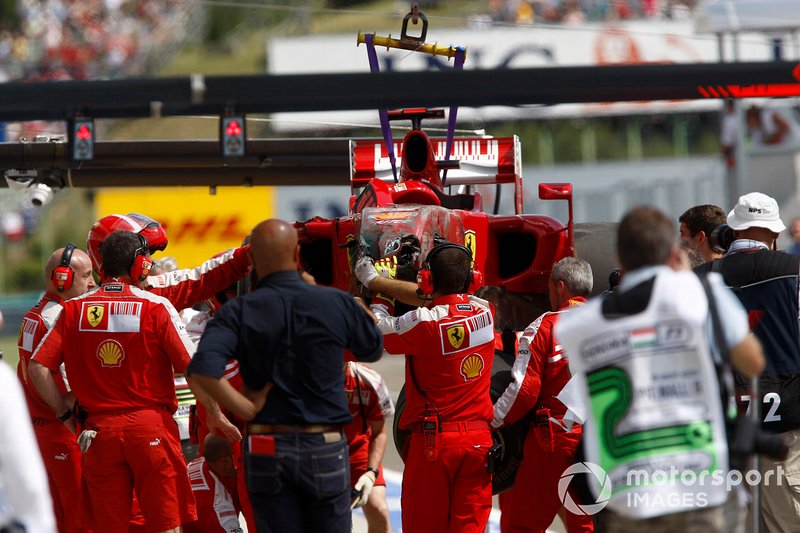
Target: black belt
266, 429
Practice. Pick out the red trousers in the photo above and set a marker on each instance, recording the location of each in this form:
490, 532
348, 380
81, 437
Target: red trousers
141, 451
62, 460
452, 494
533, 502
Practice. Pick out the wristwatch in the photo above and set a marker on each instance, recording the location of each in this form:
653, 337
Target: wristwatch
66, 416
373, 470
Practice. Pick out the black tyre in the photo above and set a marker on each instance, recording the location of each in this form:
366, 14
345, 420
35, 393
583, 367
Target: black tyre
596, 242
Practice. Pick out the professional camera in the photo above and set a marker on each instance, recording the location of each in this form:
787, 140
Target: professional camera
721, 238
746, 438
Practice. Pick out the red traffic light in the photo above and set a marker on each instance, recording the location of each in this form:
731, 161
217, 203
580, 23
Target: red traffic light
232, 136
233, 128
83, 132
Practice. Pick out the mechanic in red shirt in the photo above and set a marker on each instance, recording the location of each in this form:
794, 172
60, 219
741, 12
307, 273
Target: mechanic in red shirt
68, 274
184, 287
121, 346
213, 477
449, 348
539, 373
370, 405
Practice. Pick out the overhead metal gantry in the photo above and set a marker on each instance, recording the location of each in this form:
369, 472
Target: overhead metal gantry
203, 95
325, 161
190, 162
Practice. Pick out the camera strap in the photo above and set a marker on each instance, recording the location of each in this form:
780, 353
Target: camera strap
721, 355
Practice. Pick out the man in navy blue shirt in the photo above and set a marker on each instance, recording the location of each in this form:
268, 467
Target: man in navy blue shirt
289, 337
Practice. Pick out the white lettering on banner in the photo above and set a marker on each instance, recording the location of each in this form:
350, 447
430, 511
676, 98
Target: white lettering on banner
605, 348
647, 42
483, 153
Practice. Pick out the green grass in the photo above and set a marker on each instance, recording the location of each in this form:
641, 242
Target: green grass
8, 343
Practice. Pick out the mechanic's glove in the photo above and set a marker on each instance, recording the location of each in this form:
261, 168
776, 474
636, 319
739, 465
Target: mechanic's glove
387, 267
85, 439
365, 270
364, 488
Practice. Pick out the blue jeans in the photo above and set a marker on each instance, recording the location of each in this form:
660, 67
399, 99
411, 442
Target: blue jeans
303, 485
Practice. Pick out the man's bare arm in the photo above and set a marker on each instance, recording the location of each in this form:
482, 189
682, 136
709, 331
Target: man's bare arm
380, 278
223, 392
46, 386
405, 291
215, 419
377, 443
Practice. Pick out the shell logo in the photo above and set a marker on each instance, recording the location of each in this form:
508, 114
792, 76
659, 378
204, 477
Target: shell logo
110, 353
471, 367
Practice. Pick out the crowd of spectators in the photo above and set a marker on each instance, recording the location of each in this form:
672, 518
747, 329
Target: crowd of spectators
81, 39
85, 39
580, 11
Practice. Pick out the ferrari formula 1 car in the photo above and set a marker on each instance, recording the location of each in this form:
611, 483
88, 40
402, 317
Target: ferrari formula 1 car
403, 200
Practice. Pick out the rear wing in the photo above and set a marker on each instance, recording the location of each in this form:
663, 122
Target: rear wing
482, 160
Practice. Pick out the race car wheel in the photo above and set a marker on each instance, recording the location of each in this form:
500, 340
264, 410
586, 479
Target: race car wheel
597, 243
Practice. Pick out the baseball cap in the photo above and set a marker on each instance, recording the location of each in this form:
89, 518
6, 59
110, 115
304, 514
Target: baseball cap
756, 210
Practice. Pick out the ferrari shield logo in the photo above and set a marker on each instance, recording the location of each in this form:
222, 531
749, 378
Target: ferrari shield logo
95, 314
455, 334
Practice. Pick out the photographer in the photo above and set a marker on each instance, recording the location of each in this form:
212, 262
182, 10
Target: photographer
644, 354
766, 282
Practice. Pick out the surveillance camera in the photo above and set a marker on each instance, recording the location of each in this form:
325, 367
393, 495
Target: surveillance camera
40, 194
19, 180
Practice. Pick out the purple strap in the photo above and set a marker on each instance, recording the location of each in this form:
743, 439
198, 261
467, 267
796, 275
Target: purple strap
384, 117
458, 64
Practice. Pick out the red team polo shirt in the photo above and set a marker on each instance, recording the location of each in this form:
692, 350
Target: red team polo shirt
452, 347
374, 404
35, 325
130, 342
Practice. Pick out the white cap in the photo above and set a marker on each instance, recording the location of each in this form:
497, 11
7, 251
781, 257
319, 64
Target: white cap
756, 210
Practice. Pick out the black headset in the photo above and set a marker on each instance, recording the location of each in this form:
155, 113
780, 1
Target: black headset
425, 275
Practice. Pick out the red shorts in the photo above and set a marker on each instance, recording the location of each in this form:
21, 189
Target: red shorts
358, 466
141, 451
